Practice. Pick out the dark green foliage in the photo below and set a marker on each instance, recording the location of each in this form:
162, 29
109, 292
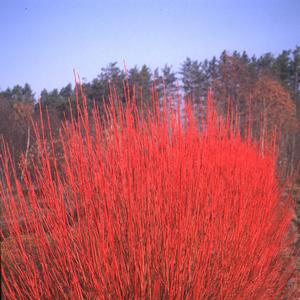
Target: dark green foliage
195, 78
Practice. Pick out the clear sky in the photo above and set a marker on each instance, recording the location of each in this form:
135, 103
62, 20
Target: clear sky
43, 40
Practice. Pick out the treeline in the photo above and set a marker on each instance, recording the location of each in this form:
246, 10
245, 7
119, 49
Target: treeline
267, 88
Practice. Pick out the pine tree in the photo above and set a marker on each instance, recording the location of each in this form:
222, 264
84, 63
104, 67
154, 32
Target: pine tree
194, 79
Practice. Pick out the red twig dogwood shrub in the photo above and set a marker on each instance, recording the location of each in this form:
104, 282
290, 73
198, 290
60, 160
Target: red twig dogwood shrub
146, 206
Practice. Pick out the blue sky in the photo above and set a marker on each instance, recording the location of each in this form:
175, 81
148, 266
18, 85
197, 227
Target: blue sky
43, 40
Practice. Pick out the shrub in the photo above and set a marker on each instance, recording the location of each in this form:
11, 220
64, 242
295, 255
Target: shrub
146, 206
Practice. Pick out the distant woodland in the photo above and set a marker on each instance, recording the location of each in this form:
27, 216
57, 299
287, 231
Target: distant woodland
266, 88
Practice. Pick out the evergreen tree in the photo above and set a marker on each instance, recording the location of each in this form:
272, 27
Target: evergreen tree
19, 94
169, 80
265, 63
141, 81
213, 71
194, 79
282, 68
295, 76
